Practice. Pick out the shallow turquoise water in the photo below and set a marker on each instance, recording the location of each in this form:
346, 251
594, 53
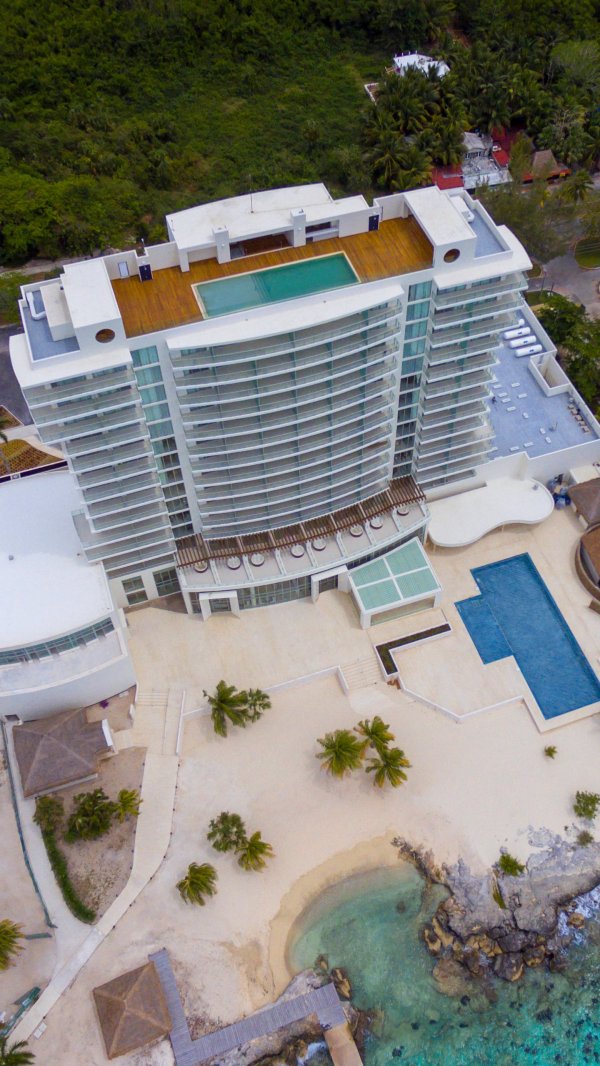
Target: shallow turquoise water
543, 1019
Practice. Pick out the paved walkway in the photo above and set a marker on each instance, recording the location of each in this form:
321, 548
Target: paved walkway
566, 277
152, 838
324, 1002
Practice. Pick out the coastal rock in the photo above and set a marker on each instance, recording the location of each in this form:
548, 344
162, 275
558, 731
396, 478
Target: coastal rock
432, 942
451, 978
509, 967
342, 983
576, 920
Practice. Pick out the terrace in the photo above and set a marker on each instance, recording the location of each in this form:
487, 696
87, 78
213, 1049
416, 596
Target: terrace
399, 246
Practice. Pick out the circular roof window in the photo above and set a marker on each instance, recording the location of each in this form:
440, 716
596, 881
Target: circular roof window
105, 335
451, 255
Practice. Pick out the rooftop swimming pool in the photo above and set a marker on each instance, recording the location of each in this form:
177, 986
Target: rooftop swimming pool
287, 282
515, 614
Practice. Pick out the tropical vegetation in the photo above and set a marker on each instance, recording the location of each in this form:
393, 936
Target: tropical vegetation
227, 832
550, 751
199, 882
112, 113
16, 1054
586, 805
91, 816
577, 338
49, 816
231, 706
509, 865
343, 752
127, 804
11, 935
254, 852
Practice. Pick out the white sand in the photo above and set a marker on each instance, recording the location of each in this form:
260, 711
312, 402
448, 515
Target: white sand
473, 787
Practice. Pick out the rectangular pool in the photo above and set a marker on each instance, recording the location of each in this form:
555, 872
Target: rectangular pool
515, 614
303, 278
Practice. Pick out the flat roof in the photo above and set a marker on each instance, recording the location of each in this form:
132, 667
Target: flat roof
438, 216
255, 213
400, 575
50, 587
88, 293
398, 247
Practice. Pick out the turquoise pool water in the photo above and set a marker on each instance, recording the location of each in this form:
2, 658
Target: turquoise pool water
544, 1019
516, 615
287, 282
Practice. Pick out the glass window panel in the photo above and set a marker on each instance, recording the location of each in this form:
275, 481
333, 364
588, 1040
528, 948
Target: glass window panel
144, 356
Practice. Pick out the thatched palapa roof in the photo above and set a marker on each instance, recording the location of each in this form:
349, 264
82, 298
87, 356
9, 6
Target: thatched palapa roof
58, 751
586, 498
132, 1010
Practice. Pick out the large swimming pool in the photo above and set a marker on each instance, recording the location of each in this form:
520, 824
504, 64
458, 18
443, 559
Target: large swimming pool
287, 282
515, 614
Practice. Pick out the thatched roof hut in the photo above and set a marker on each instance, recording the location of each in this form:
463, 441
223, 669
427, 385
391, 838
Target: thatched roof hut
59, 751
132, 1010
585, 497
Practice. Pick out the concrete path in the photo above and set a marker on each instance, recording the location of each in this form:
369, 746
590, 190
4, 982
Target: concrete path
566, 277
152, 838
324, 1002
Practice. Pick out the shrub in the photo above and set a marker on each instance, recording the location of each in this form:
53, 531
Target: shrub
510, 866
127, 804
61, 873
227, 832
584, 838
550, 751
91, 816
254, 852
498, 897
586, 805
49, 813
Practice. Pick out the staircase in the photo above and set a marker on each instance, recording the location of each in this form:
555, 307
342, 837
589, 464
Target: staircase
362, 673
156, 721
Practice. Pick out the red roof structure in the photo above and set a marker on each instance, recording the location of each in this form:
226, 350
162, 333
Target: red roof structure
449, 177
500, 156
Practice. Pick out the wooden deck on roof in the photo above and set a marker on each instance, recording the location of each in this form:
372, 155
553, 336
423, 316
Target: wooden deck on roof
399, 246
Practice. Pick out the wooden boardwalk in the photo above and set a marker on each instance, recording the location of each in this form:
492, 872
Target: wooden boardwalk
324, 1002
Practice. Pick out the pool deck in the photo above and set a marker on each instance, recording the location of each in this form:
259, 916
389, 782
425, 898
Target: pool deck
398, 247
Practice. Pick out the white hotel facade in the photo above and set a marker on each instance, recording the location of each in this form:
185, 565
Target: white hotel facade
253, 449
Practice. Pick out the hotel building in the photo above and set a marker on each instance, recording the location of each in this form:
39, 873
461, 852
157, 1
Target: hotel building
266, 401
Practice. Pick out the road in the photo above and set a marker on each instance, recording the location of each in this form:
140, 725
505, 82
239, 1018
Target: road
10, 390
565, 276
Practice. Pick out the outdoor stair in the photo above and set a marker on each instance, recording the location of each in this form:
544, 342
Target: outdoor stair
362, 673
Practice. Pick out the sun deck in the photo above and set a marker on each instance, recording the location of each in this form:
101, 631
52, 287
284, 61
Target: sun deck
398, 247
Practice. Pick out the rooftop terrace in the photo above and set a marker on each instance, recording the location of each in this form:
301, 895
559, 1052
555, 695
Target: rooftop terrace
398, 247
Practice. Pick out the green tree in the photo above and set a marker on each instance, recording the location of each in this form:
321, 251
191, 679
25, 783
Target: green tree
254, 852
49, 813
258, 703
127, 804
388, 766
561, 317
11, 936
550, 751
586, 805
376, 733
342, 752
227, 832
584, 838
227, 706
91, 816
414, 169
576, 187
199, 882
509, 865
16, 1054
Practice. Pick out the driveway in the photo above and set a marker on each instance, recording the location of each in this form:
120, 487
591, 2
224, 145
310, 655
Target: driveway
10, 390
565, 276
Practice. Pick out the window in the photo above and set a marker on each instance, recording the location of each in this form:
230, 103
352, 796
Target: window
420, 310
79, 638
148, 375
414, 347
166, 582
145, 356
160, 429
419, 292
451, 255
415, 329
104, 336
220, 606
133, 587
153, 394
327, 583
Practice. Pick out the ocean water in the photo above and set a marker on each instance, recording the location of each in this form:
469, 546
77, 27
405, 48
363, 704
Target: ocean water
370, 926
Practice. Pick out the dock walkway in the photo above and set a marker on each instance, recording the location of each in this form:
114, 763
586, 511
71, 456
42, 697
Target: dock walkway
324, 1002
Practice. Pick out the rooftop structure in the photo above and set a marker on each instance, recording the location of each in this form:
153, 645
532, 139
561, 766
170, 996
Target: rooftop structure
414, 61
59, 751
62, 644
284, 360
132, 1011
393, 584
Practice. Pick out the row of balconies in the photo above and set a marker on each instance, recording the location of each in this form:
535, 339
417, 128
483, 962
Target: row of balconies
511, 283
310, 448
436, 422
452, 386
114, 400
129, 420
469, 331
457, 367
474, 312
132, 562
110, 457
40, 396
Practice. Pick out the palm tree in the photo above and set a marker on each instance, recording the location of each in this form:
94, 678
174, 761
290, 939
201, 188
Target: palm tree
14, 1054
376, 733
91, 816
254, 852
342, 752
388, 767
128, 804
227, 706
414, 169
227, 832
10, 942
258, 703
199, 881
49, 813
576, 187
384, 158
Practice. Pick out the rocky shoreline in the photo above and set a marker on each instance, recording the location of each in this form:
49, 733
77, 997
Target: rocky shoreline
493, 925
